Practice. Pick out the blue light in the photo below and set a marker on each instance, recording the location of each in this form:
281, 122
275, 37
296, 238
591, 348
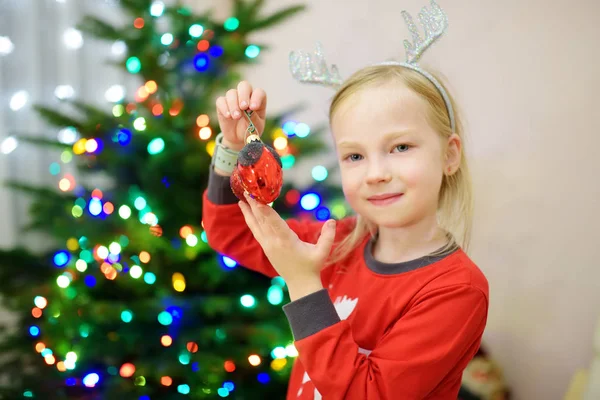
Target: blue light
195, 367
90, 380
289, 128
71, 381
229, 385
46, 352
201, 62
216, 51
302, 130
95, 206
310, 201
263, 378
229, 263
61, 258
323, 214
124, 137
34, 330
144, 397
252, 51
90, 281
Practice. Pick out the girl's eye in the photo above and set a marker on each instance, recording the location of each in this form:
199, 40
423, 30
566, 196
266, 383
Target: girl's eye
402, 148
354, 157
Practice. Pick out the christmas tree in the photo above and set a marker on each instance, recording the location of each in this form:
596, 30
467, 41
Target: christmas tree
130, 302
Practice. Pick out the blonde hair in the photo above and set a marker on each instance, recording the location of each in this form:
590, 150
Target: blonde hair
455, 202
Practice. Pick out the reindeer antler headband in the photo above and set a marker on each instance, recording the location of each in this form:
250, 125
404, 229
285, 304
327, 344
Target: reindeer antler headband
312, 68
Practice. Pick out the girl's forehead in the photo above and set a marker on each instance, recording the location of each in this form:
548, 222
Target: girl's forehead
386, 107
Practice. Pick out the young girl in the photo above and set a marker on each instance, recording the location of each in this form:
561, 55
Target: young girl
384, 305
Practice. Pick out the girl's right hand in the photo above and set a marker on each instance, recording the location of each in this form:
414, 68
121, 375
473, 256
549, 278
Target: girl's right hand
230, 110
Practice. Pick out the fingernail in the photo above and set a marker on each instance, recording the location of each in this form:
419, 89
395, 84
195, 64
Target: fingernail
253, 105
243, 104
236, 114
228, 114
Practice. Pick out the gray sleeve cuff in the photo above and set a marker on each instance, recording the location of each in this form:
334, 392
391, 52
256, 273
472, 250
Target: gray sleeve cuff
311, 314
219, 189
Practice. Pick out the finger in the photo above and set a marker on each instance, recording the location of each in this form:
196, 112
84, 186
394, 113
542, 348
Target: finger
244, 90
222, 107
232, 103
325, 241
258, 102
270, 221
251, 221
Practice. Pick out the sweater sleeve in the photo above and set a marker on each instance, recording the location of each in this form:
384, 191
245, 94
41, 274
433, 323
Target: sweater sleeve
441, 332
228, 234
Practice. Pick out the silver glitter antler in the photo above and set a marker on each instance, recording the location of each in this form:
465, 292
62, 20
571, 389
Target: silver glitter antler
434, 22
312, 68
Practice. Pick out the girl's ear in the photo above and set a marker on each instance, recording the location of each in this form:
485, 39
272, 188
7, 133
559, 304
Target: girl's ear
453, 154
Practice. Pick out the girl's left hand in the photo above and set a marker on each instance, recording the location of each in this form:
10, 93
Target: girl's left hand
296, 261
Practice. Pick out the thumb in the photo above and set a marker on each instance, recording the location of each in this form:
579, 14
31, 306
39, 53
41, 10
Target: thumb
326, 239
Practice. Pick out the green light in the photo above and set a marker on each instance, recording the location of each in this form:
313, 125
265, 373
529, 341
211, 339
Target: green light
118, 110
87, 256
126, 316
164, 318
204, 237
231, 24
54, 168
252, 51
156, 146
288, 161
28, 394
84, 331
196, 30
275, 295
139, 203
124, 240
248, 301
139, 381
112, 370
133, 65
183, 389
66, 156
184, 359
124, 212
71, 293
83, 242
77, 211
319, 173
338, 211
278, 280
80, 202
223, 392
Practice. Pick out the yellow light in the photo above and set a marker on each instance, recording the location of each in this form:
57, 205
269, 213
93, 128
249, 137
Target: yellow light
210, 147
145, 257
277, 133
205, 133
39, 347
72, 244
278, 364
64, 184
185, 231
49, 359
61, 366
79, 146
166, 340
202, 120
178, 282
151, 87
280, 143
254, 360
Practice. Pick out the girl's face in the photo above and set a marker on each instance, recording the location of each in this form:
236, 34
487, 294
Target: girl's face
391, 161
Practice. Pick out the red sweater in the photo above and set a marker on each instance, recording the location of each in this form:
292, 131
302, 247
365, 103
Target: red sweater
376, 331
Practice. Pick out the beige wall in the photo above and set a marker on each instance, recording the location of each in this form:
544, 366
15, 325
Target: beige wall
526, 75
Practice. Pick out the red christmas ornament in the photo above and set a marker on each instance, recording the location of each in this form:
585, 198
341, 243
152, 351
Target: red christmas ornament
258, 172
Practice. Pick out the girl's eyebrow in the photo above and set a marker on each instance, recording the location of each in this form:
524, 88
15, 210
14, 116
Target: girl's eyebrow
386, 137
